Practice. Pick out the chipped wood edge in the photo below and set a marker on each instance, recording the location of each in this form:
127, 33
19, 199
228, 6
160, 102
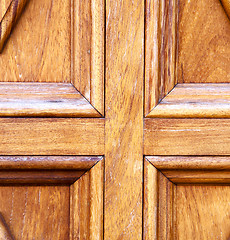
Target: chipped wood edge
160, 51
86, 205
94, 93
9, 20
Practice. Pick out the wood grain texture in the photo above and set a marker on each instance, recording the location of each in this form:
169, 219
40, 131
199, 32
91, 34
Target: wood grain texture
186, 137
204, 34
226, 5
38, 136
86, 204
4, 4
39, 49
190, 162
5, 234
150, 202
36, 212
195, 101
159, 218
9, 19
203, 212
88, 50
160, 50
43, 100
48, 162
124, 119
185, 211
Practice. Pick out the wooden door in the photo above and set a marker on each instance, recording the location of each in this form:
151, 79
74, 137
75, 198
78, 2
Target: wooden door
187, 74
114, 119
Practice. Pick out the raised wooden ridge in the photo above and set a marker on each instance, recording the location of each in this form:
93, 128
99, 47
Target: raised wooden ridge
192, 169
48, 162
43, 100
195, 101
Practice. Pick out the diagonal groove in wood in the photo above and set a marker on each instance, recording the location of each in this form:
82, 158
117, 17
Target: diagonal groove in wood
9, 20
4, 230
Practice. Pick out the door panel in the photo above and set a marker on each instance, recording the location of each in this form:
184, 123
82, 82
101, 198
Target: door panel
186, 197
56, 196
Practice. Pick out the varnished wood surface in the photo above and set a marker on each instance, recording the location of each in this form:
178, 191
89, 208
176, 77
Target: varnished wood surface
124, 119
195, 101
86, 204
39, 136
9, 19
40, 212
4, 4
5, 233
190, 162
226, 5
39, 49
186, 137
48, 162
160, 50
43, 100
203, 212
88, 50
204, 34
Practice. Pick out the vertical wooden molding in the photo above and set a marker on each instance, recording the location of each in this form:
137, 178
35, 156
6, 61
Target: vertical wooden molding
10, 18
124, 119
97, 55
86, 205
88, 50
160, 51
150, 202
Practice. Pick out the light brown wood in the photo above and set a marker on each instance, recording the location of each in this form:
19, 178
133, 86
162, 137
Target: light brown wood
88, 48
4, 4
204, 34
226, 5
43, 100
86, 200
4, 230
48, 162
190, 162
160, 51
40, 136
9, 19
150, 202
39, 212
203, 212
186, 137
185, 211
39, 49
195, 101
124, 119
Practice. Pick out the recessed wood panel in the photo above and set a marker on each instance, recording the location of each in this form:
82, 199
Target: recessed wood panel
204, 37
39, 49
36, 212
203, 212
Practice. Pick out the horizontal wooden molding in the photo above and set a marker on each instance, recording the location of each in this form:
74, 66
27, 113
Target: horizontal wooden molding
161, 186
51, 136
195, 101
48, 162
193, 169
43, 100
186, 136
44, 169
